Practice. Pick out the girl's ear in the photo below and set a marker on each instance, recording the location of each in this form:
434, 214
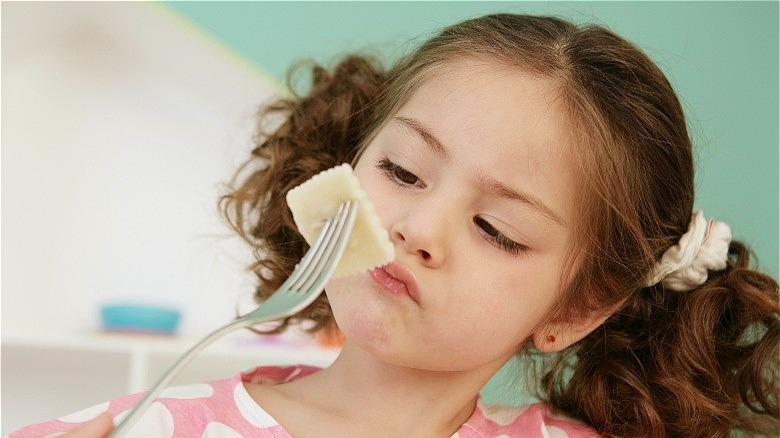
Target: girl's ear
560, 333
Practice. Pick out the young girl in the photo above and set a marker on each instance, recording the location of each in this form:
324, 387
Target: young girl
536, 180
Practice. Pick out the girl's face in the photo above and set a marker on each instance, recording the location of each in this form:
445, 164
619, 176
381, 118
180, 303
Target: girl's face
473, 179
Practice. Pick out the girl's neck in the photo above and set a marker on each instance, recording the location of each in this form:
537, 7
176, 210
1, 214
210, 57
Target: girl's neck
376, 398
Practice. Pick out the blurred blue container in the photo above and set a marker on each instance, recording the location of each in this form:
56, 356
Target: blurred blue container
141, 318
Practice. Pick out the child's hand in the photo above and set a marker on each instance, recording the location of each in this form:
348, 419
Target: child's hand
99, 427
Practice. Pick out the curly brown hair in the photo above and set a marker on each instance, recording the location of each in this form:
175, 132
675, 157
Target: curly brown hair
319, 130
697, 363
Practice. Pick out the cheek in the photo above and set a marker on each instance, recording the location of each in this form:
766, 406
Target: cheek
379, 190
364, 169
516, 298
359, 317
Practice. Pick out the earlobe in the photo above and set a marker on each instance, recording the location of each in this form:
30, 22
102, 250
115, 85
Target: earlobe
559, 334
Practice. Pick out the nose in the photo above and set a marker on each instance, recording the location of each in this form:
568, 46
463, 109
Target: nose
420, 231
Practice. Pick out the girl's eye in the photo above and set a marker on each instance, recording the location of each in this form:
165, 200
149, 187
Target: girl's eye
398, 174
499, 239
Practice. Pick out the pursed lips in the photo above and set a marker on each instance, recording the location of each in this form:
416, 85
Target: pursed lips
397, 279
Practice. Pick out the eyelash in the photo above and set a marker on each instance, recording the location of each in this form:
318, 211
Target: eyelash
397, 174
498, 238
400, 176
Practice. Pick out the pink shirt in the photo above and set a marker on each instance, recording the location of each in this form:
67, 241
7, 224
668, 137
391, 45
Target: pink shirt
224, 409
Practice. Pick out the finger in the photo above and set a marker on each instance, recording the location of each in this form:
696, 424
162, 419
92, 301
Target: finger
98, 427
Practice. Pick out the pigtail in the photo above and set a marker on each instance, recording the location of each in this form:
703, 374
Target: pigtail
700, 363
319, 130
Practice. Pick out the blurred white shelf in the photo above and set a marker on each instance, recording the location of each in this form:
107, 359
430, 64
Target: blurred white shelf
148, 355
52, 373
241, 344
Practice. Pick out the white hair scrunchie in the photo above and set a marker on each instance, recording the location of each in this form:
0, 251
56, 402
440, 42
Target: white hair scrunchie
703, 248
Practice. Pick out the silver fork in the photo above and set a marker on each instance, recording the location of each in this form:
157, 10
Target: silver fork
299, 290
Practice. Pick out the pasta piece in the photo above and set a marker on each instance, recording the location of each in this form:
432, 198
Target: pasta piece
318, 198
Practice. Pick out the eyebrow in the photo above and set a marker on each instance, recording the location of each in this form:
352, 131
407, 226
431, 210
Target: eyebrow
491, 185
424, 133
504, 191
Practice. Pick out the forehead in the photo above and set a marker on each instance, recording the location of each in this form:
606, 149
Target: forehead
501, 121
485, 102
485, 87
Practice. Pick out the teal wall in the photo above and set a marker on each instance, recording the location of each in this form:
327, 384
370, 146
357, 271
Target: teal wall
722, 58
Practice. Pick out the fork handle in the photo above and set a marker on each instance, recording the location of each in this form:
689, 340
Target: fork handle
130, 419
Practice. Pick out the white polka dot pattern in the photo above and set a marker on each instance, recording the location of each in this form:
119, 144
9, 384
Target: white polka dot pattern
224, 409
187, 392
553, 432
120, 416
501, 415
85, 414
156, 420
219, 430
